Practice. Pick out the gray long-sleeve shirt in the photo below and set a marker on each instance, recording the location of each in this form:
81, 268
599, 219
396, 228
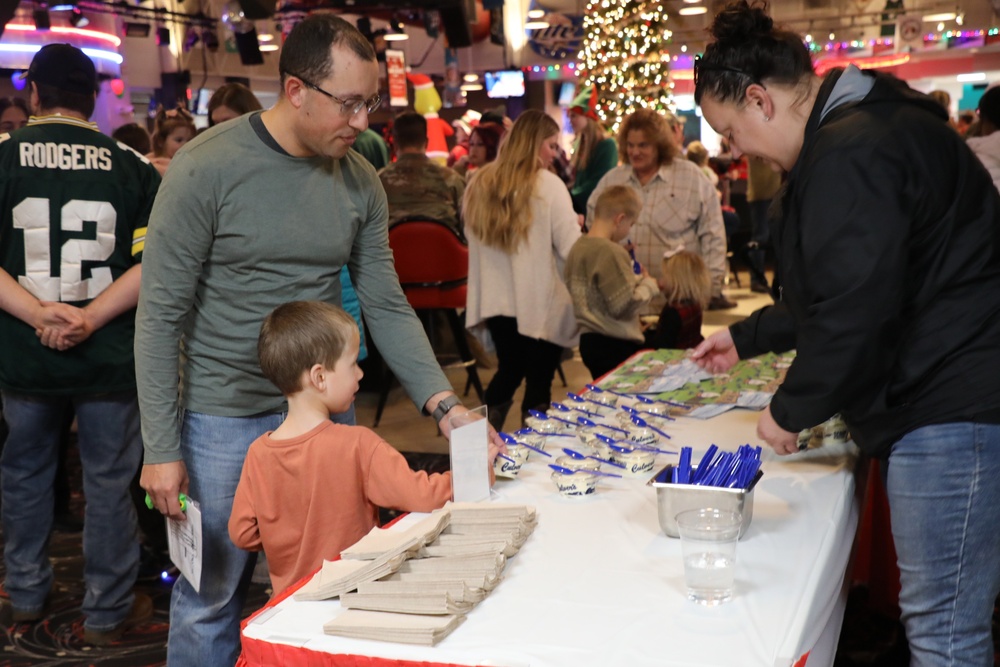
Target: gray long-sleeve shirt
237, 229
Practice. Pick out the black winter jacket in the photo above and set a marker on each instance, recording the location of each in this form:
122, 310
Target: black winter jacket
888, 240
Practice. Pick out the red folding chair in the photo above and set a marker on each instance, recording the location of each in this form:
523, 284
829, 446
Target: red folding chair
432, 262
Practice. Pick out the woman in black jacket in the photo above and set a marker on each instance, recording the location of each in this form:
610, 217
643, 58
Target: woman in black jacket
888, 242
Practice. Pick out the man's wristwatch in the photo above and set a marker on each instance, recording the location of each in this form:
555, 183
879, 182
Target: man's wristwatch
444, 406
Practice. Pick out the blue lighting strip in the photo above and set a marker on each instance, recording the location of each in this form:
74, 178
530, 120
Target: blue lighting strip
33, 48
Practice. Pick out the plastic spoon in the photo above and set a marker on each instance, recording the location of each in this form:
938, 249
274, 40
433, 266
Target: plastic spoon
531, 431
642, 423
583, 421
570, 471
511, 440
580, 456
562, 407
635, 413
632, 445
577, 398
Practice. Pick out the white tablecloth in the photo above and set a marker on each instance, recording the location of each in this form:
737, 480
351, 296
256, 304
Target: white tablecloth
599, 584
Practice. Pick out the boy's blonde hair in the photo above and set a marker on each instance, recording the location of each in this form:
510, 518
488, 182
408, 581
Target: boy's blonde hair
697, 153
686, 277
297, 335
618, 199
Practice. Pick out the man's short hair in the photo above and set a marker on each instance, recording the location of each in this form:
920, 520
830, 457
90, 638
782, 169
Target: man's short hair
409, 130
50, 97
297, 335
618, 199
306, 51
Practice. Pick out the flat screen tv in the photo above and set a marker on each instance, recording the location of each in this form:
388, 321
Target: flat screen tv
506, 83
567, 93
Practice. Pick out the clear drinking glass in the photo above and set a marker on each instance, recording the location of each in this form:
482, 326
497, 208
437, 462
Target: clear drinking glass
708, 543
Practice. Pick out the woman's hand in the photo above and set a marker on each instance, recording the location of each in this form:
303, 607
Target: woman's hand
781, 441
717, 353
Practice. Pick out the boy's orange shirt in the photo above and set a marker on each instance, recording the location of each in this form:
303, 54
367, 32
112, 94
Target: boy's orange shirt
305, 499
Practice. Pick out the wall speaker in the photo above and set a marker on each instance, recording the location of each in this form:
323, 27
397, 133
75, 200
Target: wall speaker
7, 9
455, 22
258, 9
249, 47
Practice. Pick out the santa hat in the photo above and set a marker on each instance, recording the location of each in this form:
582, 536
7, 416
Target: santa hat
468, 120
585, 103
420, 81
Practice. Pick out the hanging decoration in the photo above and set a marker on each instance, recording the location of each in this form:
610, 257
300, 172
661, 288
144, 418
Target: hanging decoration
625, 57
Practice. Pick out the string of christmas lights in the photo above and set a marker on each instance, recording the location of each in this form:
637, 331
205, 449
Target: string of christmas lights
621, 57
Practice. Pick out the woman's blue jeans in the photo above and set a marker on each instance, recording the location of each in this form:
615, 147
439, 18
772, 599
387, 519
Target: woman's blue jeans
205, 625
110, 450
943, 484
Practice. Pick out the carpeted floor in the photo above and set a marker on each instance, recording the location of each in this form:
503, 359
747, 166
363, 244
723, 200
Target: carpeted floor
867, 640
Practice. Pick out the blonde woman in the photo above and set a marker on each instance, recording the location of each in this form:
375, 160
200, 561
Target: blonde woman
521, 225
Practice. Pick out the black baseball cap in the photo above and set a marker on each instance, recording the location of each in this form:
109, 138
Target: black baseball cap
65, 67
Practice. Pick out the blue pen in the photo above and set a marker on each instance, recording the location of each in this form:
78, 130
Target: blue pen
636, 267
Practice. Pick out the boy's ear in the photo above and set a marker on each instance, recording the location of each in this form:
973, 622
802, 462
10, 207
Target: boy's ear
317, 375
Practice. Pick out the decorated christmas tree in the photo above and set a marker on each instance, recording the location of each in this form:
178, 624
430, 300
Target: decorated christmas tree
625, 58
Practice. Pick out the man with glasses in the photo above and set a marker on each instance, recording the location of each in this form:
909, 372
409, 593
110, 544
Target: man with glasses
254, 214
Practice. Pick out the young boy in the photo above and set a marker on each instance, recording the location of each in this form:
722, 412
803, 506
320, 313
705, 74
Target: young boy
311, 488
607, 293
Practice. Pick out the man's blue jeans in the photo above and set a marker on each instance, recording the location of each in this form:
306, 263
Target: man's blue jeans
943, 483
110, 452
205, 625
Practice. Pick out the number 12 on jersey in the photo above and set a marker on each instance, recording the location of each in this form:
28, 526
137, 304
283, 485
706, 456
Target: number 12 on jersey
32, 216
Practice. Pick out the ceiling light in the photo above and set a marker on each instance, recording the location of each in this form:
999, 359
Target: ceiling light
536, 25
692, 11
832, 37
684, 48
471, 76
940, 27
972, 76
471, 86
266, 48
960, 19
77, 19
536, 13
943, 16
692, 2
395, 36
809, 39
266, 37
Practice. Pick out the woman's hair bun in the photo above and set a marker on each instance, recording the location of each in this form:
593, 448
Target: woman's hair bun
741, 21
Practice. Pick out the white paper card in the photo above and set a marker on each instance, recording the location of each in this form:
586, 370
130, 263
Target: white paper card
186, 546
470, 477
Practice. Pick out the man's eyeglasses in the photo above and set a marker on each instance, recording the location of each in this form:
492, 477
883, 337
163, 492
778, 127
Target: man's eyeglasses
347, 107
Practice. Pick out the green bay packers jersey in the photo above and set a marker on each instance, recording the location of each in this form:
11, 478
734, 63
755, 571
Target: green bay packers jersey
73, 211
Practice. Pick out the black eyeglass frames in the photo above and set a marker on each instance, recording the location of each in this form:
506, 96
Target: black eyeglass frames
347, 107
